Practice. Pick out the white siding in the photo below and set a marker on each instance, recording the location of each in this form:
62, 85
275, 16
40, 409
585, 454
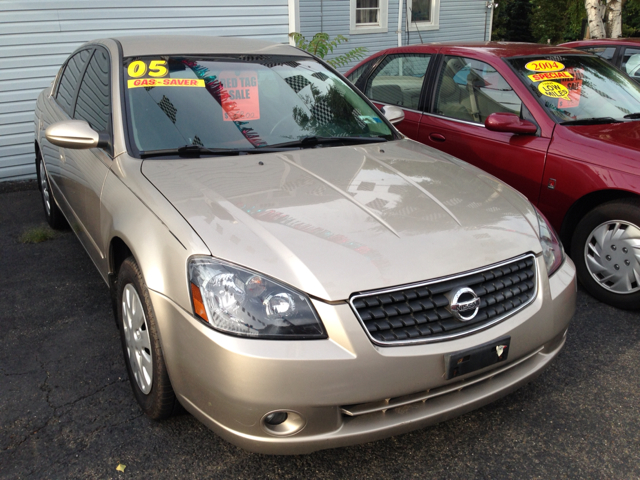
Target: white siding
460, 20
37, 36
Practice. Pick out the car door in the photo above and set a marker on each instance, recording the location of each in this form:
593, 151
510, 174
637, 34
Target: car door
60, 108
398, 80
87, 169
467, 91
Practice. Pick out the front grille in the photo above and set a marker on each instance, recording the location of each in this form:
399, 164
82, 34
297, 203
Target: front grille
418, 313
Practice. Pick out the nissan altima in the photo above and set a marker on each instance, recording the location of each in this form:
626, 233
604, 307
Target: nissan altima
283, 263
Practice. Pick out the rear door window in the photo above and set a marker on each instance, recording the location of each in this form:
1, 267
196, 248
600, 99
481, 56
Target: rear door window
70, 78
398, 80
94, 104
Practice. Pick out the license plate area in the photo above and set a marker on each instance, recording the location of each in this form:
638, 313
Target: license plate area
476, 358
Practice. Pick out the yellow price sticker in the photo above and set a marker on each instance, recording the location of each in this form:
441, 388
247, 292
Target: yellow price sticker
554, 90
544, 66
156, 68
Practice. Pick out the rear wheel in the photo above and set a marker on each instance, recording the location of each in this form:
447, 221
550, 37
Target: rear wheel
55, 219
606, 250
141, 345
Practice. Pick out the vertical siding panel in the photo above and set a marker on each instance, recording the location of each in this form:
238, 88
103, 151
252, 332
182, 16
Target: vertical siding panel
37, 36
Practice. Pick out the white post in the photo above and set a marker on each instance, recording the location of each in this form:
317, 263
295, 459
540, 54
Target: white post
294, 18
400, 4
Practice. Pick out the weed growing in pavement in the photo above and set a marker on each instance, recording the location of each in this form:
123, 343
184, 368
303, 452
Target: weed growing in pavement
38, 235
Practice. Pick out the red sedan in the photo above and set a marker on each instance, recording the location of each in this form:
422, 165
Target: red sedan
623, 53
560, 125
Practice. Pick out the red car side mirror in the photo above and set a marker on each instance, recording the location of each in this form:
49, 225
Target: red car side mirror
510, 123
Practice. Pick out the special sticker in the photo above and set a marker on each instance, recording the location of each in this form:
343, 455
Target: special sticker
164, 82
537, 77
554, 90
544, 66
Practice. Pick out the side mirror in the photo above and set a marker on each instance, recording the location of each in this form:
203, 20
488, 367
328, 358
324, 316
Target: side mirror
509, 123
392, 113
75, 134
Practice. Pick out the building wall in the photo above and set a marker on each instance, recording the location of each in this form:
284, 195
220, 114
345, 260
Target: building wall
37, 36
462, 20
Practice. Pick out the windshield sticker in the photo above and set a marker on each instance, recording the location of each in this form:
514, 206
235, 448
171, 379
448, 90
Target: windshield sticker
368, 119
575, 89
554, 90
536, 77
240, 97
544, 66
164, 82
156, 68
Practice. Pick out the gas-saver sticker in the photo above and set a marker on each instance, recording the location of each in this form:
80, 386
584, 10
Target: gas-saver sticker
544, 66
164, 82
554, 90
241, 99
537, 77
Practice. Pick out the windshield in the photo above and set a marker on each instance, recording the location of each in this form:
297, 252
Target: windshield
240, 103
578, 87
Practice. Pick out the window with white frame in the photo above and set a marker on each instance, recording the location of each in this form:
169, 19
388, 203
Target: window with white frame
369, 16
423, 14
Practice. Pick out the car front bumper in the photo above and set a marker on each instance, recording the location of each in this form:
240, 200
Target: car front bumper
346, 389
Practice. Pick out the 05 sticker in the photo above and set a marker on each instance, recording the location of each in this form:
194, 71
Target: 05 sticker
156, 68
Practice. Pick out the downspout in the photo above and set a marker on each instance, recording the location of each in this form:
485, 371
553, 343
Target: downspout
400, 2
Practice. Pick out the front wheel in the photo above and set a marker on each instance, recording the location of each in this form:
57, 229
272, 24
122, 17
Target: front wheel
141, 345
606, 250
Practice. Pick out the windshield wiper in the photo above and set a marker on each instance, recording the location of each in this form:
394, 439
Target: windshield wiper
632, 115
591, 121
313, 141
196, 151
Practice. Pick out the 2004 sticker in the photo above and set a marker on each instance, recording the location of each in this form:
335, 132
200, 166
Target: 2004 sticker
544, 66
536, 77
554, 90
164, 82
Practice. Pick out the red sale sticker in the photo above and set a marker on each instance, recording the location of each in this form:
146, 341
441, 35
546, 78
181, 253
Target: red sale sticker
240, 97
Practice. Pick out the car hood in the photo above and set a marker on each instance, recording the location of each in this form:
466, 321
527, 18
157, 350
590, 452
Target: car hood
337, 220
614, 145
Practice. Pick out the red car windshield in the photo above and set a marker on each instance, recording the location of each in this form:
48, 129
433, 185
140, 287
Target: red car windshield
574, 88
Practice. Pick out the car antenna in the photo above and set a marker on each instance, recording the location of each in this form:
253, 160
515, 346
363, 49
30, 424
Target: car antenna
416, 23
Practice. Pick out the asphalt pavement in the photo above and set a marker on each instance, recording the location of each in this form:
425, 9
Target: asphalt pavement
67, 411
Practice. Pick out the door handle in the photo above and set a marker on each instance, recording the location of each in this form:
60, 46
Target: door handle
436, 137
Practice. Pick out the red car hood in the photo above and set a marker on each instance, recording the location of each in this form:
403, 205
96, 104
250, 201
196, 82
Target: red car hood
614, 145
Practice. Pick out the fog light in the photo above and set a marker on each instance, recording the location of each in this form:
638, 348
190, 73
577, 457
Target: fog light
283, 423
275, 418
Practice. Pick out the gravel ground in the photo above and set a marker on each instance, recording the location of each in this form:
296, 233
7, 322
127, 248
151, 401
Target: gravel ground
67, 411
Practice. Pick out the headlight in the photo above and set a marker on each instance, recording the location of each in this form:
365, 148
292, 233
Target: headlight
552, 250
240, 302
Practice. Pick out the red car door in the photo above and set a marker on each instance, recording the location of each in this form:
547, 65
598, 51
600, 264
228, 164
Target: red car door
467, 91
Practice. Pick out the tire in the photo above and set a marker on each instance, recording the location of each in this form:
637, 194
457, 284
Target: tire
141, 345
54, 215
605, 248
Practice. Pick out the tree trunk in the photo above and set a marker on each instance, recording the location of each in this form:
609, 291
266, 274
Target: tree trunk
614, 18
596, 26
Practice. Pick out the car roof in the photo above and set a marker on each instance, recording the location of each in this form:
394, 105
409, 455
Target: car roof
200, 44
498, 49
603, 41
